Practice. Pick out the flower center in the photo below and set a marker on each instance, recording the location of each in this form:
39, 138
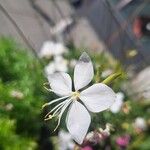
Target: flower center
75, 95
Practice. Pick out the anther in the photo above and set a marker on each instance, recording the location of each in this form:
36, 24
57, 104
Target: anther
49, 117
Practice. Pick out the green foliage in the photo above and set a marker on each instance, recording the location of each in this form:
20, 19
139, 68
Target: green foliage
9, 140
20, 73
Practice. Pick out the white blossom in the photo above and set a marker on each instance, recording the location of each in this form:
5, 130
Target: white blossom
65, 141
148, 26
61, 26
90, 136
95, 98
140, 123
73, 63
16, 94
51, 48
9, 106
59, 64
100, 134
106, 131
115, 108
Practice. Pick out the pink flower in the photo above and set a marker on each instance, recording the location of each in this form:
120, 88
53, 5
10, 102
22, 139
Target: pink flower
87, 148
123, 141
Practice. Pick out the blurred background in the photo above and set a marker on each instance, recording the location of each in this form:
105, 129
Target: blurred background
40, 37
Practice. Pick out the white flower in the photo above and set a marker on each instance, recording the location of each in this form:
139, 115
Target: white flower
61, 26
96, 98
59, 64
105, 132
115, 108
65, 141
140, 123
73, 63
51, 48
9, 106
99, 135
16, 94
90, 136
148, 26
50, 68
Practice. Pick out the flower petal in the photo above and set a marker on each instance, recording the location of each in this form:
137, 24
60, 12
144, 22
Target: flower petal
115, 108
78, 121
83, 72
98, 97
60, 83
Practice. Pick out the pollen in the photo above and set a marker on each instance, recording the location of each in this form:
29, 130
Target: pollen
75, 95
49, 117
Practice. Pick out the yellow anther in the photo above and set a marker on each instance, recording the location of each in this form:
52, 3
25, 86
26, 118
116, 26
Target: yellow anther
49, 117
75, 94
46, 104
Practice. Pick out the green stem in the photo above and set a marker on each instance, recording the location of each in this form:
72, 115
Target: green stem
111, 78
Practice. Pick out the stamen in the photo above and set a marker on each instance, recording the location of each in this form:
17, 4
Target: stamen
50, 90
56, 108
58, 111
49, 117
53, 101
46, 87
75, 95
62, 111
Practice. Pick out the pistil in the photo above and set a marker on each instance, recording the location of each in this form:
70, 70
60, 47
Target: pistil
75, 95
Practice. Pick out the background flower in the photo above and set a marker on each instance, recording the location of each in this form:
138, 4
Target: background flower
51, 48
59, 64
140, 124
65, 141
115, 108
123, 141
